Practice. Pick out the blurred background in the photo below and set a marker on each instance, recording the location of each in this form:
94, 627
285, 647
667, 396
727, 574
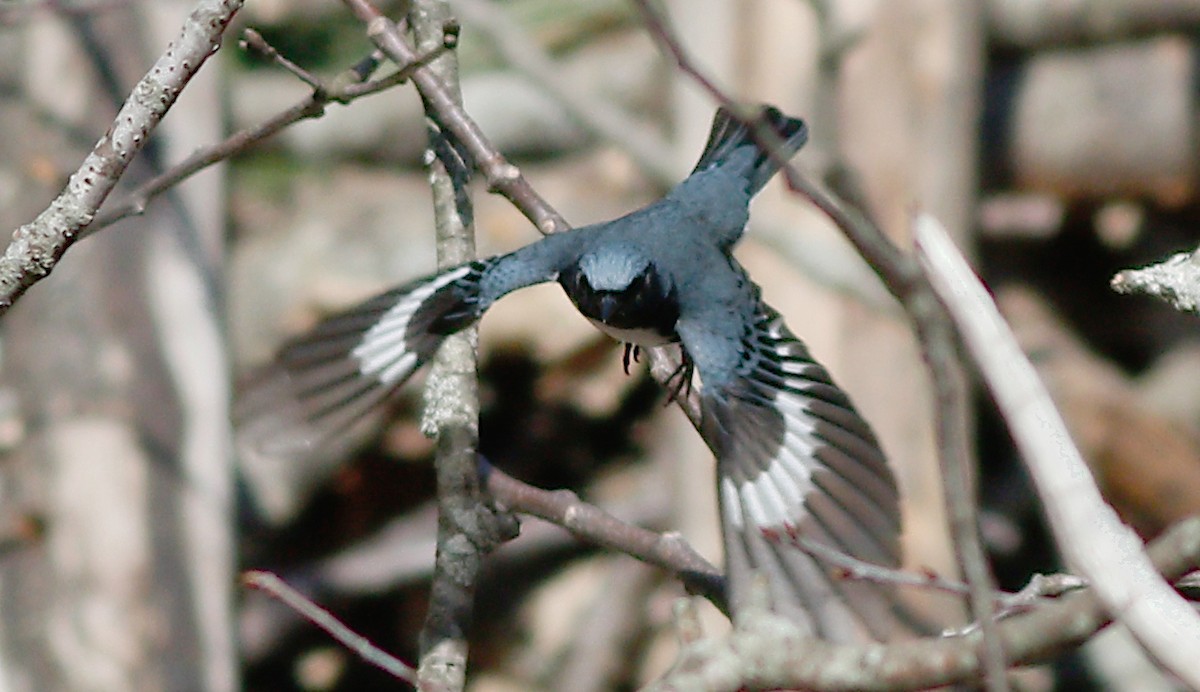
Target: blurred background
1057, 142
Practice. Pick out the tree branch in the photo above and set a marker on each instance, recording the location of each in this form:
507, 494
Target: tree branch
1175, 280
1088, 532
770, 653
280, 590
344, 88
469, 526
37, 246
502, 176
564, 508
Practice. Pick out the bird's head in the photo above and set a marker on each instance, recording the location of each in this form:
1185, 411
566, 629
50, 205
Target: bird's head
621, 289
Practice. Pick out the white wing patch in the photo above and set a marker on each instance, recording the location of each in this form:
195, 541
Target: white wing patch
731, 503
322, 384
383, 353
795, 459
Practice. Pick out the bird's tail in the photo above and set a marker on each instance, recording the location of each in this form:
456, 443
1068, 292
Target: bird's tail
730, 137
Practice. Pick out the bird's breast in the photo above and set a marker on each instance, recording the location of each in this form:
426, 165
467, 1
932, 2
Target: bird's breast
644, 336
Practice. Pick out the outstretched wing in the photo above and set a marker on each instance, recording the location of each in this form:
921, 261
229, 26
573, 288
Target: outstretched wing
795, 459
295, 418
324, 381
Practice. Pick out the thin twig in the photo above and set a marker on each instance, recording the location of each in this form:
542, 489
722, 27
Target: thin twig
252, 40
564, 508
1087, 530
37, 246
1006, 604
771, 653
502, 176
344, 88
279, 589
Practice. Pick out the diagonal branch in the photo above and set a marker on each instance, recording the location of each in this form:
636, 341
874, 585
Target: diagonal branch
345, 88
565, 509
502, 176
37, 246
1087, 530
279, 589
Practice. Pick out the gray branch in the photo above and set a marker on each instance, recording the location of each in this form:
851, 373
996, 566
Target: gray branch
1175, 280
767, 652
37, 246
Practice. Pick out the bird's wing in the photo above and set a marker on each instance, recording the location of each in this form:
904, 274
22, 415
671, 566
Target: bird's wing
793, 459
324, 381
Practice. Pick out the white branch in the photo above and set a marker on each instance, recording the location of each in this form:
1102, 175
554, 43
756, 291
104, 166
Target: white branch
1088, 532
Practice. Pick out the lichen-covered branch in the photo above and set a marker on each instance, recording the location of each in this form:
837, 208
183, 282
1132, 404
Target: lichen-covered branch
767, 652
37, 246
1175, 280
469, 525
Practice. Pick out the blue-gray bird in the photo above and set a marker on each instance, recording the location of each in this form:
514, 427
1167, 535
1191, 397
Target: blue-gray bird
793, 456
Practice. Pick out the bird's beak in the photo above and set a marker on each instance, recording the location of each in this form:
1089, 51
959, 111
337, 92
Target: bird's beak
608, 307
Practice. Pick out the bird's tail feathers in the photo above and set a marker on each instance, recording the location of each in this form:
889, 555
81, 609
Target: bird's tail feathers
730, 136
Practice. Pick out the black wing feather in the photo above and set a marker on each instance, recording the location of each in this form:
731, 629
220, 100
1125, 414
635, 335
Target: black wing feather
794, 458
325, 381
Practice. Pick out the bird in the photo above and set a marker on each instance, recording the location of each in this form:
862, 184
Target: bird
793, 456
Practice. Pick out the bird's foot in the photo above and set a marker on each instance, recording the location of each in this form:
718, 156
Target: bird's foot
633, 354
682, 378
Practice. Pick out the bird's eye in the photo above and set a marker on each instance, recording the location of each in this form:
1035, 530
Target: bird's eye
653, 284
574, 278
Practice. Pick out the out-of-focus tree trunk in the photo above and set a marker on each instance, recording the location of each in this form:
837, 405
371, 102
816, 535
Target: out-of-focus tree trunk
118, 366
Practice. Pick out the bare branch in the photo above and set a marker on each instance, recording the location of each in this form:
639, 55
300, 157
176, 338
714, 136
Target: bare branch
564, 508
252, 40
1007, 604
37, 246
1175, 280
768, 652
1091, 536
344, 88
469, 525
279, 589
502, 176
